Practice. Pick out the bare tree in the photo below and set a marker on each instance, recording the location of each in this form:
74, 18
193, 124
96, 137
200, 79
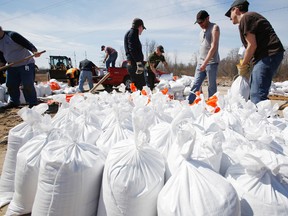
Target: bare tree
227, 67
149, 47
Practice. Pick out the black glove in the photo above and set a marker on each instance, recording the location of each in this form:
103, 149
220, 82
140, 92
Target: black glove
140, 68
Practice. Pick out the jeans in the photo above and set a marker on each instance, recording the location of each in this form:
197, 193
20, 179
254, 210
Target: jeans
261, 77
211, 73
24, 75
137, 79
111, 59
82, 78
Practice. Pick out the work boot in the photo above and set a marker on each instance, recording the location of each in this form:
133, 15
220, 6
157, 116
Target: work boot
53, 108
32, 105
10, 105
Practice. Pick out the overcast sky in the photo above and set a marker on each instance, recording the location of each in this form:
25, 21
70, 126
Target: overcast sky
78, 28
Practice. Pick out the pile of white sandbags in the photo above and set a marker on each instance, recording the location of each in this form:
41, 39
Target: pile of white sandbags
179, 89
133, 154
279, 88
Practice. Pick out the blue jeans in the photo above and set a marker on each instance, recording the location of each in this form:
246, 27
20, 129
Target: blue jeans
82, 78
261, 77
211, 73
24, 75
111, 59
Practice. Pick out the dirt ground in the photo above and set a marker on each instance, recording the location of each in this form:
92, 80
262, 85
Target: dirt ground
10, 119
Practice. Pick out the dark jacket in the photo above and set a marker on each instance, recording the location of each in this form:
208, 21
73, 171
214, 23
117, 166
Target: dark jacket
133, 46
86, 65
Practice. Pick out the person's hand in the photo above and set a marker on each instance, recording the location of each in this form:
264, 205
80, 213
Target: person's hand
243, 70
202, 67
37, 54
140, 68
103, 61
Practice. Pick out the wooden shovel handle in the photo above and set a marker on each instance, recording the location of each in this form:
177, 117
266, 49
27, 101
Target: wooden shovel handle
22, 60
100, 82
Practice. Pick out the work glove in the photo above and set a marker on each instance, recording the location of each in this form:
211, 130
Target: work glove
243, 70
140, 68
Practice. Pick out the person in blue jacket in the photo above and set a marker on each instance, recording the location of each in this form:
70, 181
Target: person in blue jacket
14, 47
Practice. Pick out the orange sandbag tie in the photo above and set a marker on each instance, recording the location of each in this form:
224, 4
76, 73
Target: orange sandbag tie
69, 96
54, 86
143, 92
197, 99
133, 87
217, 109
212, 101
164, 91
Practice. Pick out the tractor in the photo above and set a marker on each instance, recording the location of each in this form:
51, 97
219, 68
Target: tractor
58, 67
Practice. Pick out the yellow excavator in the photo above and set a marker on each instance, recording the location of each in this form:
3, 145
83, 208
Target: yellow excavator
58, 67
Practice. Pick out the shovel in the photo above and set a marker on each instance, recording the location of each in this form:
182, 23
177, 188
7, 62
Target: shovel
93, 90
22, 60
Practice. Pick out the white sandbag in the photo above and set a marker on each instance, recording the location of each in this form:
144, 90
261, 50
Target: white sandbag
176, 86
162, 137
186, 80
284, 134
260, 192
229, 119
197, 190
2, 93
111, 136
43, 89
285, 113
26, 174
88, 128
120, 114
240, 87
167, 77
186, 91
208, 146
134, 173
186, 137
201, 113
69, 179
163, 84
22, 98
33, 125
230, 156
17, 137
66, 115
132, 179
179, 96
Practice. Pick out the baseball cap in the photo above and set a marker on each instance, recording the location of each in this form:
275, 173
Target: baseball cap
201, 16
161, 48
138, 22
102, 47
234, 4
